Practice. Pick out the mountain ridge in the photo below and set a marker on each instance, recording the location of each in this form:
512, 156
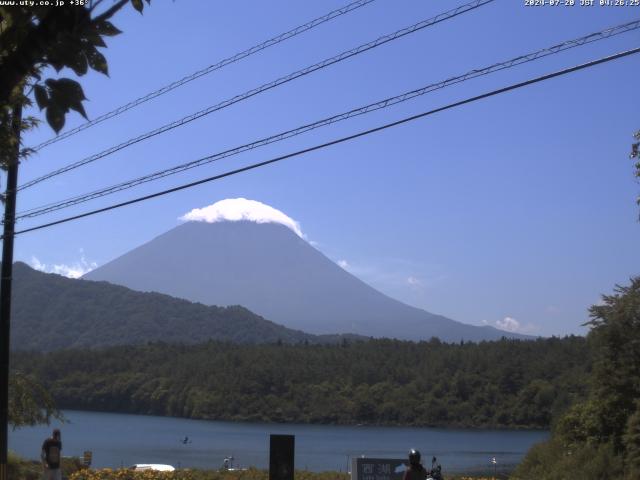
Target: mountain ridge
272, 271
52, 312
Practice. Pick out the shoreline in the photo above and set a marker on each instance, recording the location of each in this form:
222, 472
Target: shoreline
155, 439
499, 428
73, 469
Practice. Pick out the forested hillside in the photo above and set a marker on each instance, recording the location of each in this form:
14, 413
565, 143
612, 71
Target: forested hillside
51, 312
509, 383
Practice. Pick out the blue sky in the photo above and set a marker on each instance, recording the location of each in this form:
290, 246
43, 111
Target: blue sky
519, 208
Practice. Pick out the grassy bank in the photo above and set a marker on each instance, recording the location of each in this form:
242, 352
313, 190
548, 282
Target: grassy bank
250, 474
20, 469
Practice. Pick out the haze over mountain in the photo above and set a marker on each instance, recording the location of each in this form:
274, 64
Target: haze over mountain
52, 312
240, 252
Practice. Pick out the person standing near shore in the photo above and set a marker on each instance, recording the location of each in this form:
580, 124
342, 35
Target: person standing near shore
51, 456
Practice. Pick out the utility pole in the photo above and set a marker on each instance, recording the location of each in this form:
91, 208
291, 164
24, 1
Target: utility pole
5, 284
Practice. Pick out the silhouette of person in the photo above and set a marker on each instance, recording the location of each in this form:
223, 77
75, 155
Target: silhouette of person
415, 471
51, 456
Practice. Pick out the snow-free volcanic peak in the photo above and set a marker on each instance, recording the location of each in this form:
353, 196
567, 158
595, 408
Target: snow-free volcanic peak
243, 252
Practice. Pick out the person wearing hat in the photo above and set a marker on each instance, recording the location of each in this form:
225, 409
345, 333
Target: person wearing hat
415, 471
51, 456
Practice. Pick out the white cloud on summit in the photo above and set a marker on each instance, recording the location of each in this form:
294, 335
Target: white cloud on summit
343, 264
510, 324
237, 209
75, 270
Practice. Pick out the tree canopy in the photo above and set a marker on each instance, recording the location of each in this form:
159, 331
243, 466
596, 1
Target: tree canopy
600, 436
508, 383
635, 155
35, 39
29, 402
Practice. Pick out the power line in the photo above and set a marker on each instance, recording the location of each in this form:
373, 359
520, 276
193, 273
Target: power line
267, 86
607, 33
339, 140
211, 68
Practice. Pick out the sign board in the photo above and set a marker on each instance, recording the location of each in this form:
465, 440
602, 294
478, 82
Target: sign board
86, 458
281, 457
378, 468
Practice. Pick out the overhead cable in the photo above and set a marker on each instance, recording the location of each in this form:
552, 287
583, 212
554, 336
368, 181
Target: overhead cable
387, 102
267, 86
211, 68
337, 141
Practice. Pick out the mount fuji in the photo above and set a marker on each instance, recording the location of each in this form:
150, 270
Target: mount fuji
245, 253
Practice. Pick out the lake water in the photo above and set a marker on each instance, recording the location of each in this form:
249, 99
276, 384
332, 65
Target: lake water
122, 440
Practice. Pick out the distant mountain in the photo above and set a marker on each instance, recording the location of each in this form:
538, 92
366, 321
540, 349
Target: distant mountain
270, 270
51, 312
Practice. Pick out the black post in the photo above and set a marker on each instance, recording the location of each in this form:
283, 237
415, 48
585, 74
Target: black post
5, 286
281, 457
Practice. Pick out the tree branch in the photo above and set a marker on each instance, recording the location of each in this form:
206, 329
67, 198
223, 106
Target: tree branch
19, 63
110, 12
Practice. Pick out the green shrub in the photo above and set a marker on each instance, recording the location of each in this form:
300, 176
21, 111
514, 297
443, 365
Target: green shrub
552, 460
20, 469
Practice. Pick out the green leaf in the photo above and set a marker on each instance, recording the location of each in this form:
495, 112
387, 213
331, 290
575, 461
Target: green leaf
55, 117
68, 87
42, 97
106, 28
67, 94
78, 107
97, 61
94, 38
55, 61
30, 403
138, 5
68, 51
78, 63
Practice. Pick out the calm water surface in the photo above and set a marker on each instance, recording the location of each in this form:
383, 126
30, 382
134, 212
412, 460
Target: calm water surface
122, 440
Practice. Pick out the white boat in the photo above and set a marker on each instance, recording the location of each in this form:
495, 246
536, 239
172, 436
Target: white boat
158, 467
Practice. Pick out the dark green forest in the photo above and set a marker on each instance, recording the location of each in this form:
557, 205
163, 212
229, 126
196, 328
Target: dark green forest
599, 436
509, 383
